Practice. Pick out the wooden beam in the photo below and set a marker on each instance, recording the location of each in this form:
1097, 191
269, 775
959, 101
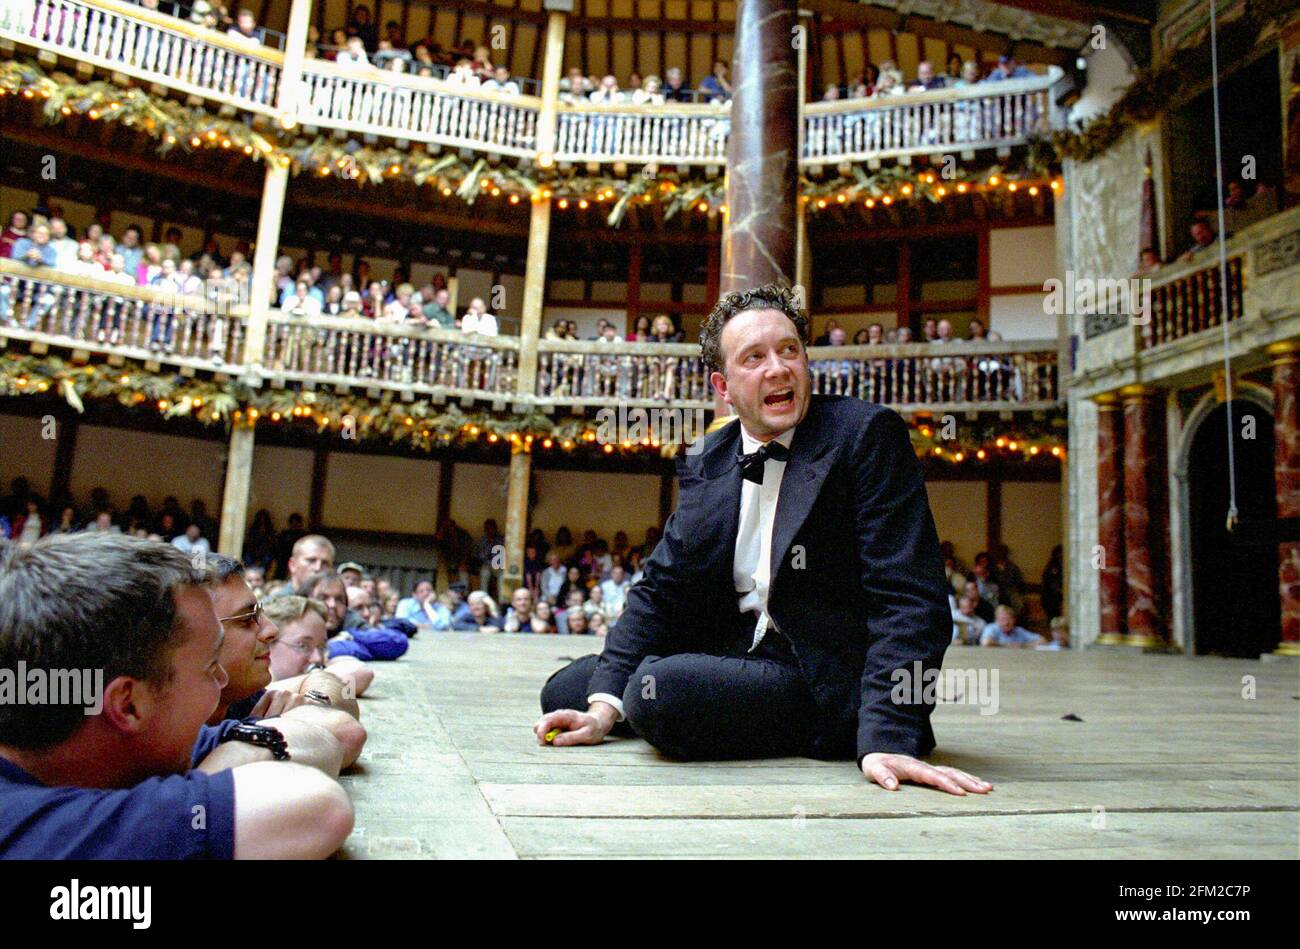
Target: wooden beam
316, 506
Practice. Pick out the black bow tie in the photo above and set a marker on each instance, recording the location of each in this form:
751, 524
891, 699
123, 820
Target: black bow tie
752, 465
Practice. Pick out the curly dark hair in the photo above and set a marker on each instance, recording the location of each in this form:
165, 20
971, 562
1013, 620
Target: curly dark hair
769, 296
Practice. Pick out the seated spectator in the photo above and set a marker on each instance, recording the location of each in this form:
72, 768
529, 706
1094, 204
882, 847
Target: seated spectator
1060, 627
1008, 576
650, 92
478, 320
14, 231
376, 639
118, 784
437, 310
501, 82
1202, 238
607, 93
984, 609
831, 93
675, 87
519, 615
1007, 68
1148, 261
192, 544
312, 554
65, 248
301, 302
969, 76
576, 622
598, 623
574, 87
423, 608
463, 74
353, 54
482, 616
330, 589
926, 78
614, 590
715, 85
596, 603
35, 250
246, 30
1003, 631
543, 619
889, 84
967, 625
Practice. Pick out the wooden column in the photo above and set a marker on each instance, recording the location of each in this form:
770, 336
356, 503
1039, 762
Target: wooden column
264, 253
1110, 519
633, 286
295, 52
516, 519
65, 447
316, 505
530, 323
1286, 476
239, 478
552, 64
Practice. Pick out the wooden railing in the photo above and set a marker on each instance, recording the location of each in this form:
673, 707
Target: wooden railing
966, 376
44, 306
1187, 301
985, 115
147, 46
159, 49
363, 99
364, 352
641, 134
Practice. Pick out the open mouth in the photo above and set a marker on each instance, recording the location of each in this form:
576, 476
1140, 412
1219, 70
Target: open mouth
779, 398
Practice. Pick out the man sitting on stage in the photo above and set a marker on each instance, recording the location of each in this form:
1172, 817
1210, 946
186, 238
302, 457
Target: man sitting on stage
762, 629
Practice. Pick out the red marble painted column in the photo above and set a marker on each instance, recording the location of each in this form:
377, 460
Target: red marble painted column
1145, 555
1286, 475
1110, 518
758, 242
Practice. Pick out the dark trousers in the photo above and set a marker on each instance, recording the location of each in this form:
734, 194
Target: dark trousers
700, 707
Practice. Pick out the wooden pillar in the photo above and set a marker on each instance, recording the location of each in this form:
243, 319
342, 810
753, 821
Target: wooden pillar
516, 518
65, 448
758, 244
633, 286
446, 477
1285, 357
268, 244
1110, 519
239, 478
665, 497
530, 323
316, 506
993, 519
552, 64
1144, 550
295, 52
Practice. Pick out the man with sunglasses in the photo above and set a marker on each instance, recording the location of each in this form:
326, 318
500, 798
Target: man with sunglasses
245, 655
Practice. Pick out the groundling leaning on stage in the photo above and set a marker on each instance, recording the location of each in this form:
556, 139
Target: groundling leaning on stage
774, 629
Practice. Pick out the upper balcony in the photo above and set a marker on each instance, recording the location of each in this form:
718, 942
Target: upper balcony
169, 54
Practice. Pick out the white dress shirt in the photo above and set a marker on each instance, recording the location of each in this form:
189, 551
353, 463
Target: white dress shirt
752, 568
752, 565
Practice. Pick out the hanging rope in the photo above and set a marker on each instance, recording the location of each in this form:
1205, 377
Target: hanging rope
1223, 269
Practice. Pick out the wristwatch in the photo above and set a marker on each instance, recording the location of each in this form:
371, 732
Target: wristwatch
264, 736
317, 696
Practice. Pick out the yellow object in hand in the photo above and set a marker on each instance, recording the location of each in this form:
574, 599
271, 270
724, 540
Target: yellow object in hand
550, 735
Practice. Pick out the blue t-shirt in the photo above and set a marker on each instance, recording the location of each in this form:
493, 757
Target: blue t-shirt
1017, 637
180, 817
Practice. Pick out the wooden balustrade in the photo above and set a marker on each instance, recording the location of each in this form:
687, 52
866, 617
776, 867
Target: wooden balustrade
1190, 301
94, 314
148, 46
88, 314
390, 355
364, 100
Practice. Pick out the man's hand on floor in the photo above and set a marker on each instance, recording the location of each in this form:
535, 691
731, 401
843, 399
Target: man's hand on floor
576, 728
888, 770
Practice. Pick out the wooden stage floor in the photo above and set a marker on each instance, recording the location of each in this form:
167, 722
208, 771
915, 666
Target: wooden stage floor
1169, 760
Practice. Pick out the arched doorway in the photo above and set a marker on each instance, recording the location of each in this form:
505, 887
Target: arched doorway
1235, 604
